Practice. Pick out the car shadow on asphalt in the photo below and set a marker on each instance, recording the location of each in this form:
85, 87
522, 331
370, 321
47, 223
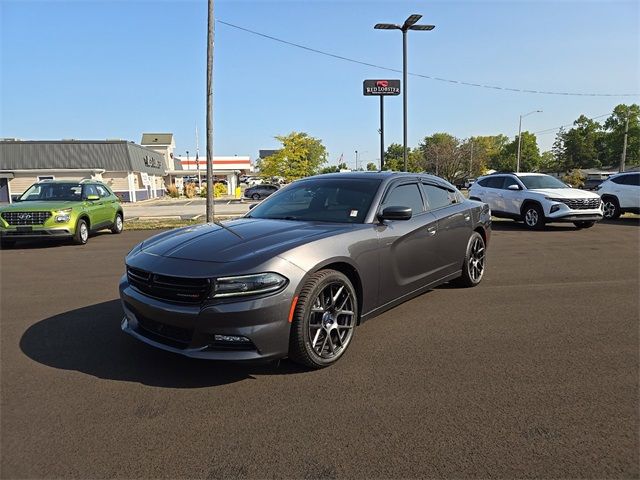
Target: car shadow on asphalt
89, 340
512, 226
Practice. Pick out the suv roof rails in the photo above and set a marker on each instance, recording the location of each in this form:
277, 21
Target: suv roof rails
503, 173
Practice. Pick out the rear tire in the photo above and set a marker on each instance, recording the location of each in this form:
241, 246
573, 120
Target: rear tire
118, 224
584, 224
82, 232
611, 208
324, 320
474, 262
533, 217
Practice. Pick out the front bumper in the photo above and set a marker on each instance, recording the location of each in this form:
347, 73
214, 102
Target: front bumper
35, 231
190, 330
582, 217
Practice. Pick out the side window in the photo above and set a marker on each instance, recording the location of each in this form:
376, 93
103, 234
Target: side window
509, 181
495, 182
619, 180
438, 197
405, 196
89, 190
484, 182
102, 191
633, 179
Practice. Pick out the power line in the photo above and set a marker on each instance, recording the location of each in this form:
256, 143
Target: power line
551, 130
430, 77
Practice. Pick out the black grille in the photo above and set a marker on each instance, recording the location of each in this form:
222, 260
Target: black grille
173, 289
25, 218
580, 203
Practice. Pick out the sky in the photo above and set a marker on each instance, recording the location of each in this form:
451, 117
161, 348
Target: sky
89, 69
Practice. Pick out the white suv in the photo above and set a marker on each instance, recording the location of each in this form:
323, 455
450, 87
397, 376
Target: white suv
620, 194
537, 199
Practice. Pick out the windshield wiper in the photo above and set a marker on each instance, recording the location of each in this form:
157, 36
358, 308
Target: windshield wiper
227, 229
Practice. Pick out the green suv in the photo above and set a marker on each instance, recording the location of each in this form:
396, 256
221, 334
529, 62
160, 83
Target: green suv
61, 209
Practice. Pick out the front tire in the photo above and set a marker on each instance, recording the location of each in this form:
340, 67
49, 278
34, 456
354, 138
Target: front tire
611, 208
256, 196
474, 262
324, 320
533, 217
584, 224
82, 233
6, 243
118, 224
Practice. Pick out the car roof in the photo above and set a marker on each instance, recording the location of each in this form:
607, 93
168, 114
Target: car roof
383, 175
86, 180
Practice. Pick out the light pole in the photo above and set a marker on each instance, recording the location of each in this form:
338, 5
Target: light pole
520, 136
409, 24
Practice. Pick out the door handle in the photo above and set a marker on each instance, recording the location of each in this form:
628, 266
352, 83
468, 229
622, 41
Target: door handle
432, 231
467, 217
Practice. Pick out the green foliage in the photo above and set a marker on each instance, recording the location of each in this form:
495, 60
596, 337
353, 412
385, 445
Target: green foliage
300, 156
506, 159
334, 168
393, 158
582, 145
442, 155
615, 126
219, 189
372, 167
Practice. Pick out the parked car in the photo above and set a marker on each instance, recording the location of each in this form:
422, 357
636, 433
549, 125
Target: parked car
61, 209
620, 194
260, 191
302, 269
592, 183
465, 183
537, 199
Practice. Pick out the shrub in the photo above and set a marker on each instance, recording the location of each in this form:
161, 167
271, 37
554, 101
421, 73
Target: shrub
219, 190
189, 190
575, 178
172, 191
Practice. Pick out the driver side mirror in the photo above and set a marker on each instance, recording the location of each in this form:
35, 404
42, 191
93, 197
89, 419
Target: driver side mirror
514, 187
395, 213
93, 198
252, 205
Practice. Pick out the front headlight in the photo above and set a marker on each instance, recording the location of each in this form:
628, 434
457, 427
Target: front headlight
247, 285
62, 216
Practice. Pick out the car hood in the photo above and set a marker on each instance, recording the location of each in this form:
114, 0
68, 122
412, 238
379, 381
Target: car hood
255, 237
38, 206
563, 193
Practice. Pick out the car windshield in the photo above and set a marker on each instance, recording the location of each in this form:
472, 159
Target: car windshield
52, 192
541, 181
321, 200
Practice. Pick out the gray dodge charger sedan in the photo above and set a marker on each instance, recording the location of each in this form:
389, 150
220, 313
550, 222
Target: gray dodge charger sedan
297, 274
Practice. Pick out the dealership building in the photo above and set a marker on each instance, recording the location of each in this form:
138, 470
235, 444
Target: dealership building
132, 171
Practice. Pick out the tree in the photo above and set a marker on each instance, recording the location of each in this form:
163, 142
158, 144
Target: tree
393, 157
485, 150
442, 156
372, 167
548, 163
300, 156
335, 168
614, 136
581, 147
506, 160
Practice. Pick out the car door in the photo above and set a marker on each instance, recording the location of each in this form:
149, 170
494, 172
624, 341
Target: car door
109, 203
491, 193
630, 191
408, 248
511, 200
453, 226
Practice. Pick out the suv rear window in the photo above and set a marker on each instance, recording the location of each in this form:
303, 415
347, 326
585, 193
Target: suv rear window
632, 179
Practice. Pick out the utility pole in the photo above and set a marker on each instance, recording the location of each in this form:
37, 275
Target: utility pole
209, 159
471, 160
623, 158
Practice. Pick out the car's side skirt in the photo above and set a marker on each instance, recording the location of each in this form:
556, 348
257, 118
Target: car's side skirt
394, 303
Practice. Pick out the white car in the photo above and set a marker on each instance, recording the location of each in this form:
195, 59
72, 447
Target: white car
620, 194
537, 199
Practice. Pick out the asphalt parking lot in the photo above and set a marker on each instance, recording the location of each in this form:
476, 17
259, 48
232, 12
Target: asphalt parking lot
532, 374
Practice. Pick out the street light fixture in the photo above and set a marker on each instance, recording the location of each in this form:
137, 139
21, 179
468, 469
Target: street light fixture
520, 136
409, 24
